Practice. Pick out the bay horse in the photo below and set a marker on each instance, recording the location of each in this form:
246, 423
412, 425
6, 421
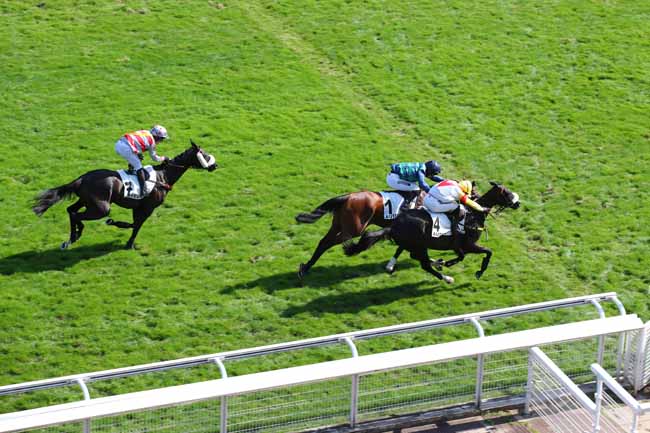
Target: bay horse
411, 231
97, 189
351, 214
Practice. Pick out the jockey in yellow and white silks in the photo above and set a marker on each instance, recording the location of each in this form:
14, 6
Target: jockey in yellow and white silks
132, 145
448, 195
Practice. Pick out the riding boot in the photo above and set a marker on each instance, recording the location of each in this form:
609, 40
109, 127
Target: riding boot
409, 199
142, 180
456, 217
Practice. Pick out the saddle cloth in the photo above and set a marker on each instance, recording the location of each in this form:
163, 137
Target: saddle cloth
132, 186
392, 204
441, 224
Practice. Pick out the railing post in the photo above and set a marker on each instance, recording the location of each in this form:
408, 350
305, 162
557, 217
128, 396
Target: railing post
529, 382
621, 341
82, 383
478, 392
639, 361
354, 391
601, 339
223, 418
599, 403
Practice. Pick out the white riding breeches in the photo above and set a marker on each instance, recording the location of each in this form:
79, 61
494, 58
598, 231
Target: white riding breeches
434, 205
394, 181
123, 149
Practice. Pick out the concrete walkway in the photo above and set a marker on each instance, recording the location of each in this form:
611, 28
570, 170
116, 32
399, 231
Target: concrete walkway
504, 422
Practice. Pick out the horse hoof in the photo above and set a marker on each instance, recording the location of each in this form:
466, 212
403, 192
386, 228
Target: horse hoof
302, 271
109, 222
65, 245
390, 266
478, 275
447, 279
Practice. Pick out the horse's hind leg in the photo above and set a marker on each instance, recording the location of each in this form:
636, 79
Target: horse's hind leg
425, 263
333, 237
76, 227
93, 211
390, 266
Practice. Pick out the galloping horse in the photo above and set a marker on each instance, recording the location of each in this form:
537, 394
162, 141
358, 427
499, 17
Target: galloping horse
97, 189
351, 214
411, 231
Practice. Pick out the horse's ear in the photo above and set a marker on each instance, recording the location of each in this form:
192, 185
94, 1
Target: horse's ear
493, 183
193, 144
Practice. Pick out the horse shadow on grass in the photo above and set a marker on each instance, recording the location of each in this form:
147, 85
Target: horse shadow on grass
356, 302
322, 276
53, 259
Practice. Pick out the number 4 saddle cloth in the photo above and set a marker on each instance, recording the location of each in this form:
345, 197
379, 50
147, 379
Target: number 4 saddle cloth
132, 186
441, 224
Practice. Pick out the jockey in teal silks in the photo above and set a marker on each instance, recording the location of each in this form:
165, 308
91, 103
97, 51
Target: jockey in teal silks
410, 178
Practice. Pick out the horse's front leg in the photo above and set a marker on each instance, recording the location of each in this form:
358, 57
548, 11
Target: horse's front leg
119, 224
139, 217
477, 249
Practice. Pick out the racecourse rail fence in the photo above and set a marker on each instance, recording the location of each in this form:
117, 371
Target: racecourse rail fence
445, 379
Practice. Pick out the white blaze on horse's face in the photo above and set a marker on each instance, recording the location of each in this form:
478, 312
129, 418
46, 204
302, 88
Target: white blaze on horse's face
202, 160
515, 198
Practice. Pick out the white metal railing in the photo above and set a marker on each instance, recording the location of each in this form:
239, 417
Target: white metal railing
556, 398
637, 358
316, 395
347, 338
611, 415
553, 396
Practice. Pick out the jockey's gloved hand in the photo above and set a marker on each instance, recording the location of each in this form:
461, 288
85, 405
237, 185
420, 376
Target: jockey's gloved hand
487, 210
140, 156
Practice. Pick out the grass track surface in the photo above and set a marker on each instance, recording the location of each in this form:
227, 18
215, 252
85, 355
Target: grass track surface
302, 101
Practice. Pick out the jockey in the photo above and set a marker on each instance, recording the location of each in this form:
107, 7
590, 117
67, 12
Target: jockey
409, 176
132, 145
447, 196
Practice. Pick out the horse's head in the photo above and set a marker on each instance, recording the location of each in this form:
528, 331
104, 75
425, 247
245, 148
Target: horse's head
501, 197
195, 157
203, 160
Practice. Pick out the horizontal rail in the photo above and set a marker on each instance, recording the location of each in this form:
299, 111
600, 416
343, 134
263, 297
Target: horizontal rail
308, 343
201, 391
616, 388
575, 391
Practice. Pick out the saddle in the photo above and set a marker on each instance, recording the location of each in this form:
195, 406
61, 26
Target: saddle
441, 224
132, 186
396, 201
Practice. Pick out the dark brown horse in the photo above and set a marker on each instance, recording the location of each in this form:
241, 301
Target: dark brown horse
97, 189
411, 231
351, 215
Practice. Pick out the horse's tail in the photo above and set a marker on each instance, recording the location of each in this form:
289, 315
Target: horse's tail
368, 239
50, 197
329, 206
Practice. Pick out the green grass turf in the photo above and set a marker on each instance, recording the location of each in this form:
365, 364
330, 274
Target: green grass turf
299, 102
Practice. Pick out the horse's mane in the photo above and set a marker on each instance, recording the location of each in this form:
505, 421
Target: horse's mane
183, 154
176, 159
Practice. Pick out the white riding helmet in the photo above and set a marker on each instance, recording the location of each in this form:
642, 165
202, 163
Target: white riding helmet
159, 131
